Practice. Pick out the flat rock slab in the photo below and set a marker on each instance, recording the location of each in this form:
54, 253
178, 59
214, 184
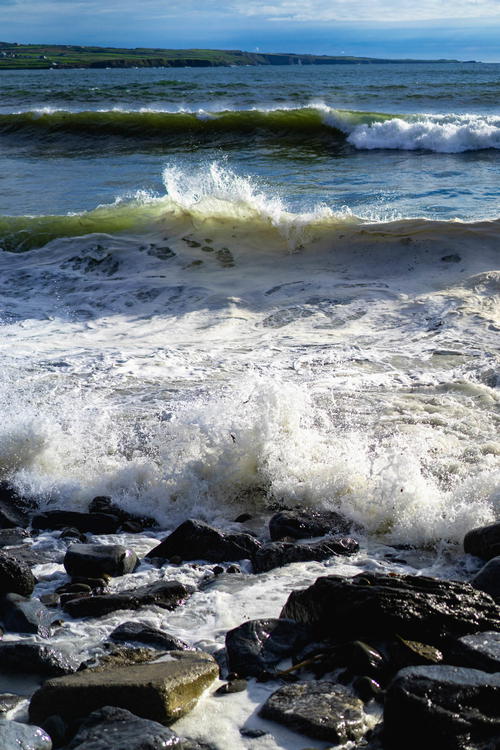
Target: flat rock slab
257, 646
15, 576
136, 632
167, 595
37, 658
480, 651
94, 523
163, 691
324, 710
195, 540
276, 554
450, 708
413, 607
488, 579
484, 541
16, 736
92, 560
303, 524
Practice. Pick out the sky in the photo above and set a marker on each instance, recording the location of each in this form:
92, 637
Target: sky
462, 29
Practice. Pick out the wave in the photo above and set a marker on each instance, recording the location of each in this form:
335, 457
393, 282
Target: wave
450, 133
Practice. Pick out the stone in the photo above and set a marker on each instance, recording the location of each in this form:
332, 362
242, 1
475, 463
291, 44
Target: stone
38, 658
257, 646
483, 542
276, 554
17, 736
488, 579
15, 576
104, 504
367, 689
162, 691
93, 560
12, 536
479, 650
136, 632
30, 556
165, 594
321, 709
13, 508
451, 708
233, 686
195, 540
121, 656
307, 523
94, 523
9, 701
377, 604
21, 615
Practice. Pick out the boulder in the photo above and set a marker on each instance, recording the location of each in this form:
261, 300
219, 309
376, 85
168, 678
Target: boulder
165, 594
94, 523
38, 658
257, 646
324, 710
12, 508
307, 523
92, 560
488, 579
450, 708
162, 691
483, 542
15, 576
479, 650
21, 615
136, 632
196, 540
104, 504
377, 604
276, 554
16, 736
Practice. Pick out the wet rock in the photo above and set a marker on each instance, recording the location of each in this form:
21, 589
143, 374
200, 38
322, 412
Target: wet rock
94, 523
15, 577
103, 504
257, 646
488, 579
161, 594
322, 709
16, 736
13, 508
9, 701
50, 600
38, 658
57, 729
121, 656
367, 689
195, 540
70, 533
451, 708
162, 691
302, 524
26, 554
413, 607
233, 686
13, 536
276, 554
407, 653
484, 541
135, 632
480, 651
95, 559
363, 659
21, 615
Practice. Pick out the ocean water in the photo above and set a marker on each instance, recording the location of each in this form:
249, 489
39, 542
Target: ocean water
226, 289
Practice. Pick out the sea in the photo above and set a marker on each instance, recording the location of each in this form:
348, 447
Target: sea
229, 290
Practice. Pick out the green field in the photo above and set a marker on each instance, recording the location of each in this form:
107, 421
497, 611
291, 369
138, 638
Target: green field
31, 56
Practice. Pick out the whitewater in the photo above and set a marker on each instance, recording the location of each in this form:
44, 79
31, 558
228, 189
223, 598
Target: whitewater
226, 291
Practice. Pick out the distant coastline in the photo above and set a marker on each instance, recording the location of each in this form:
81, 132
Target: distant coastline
15, 56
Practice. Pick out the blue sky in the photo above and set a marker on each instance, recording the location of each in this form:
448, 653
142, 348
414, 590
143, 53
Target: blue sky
465, 29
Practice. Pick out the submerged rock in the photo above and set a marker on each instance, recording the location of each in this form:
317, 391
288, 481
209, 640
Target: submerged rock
484, 541
451, 708
136, 632
21, 615
307, 523
92, 560
488, 579
413, 607
94, 523
196, 540
15, 576
162, 691
257, 646
16, 736
322, 709
167, 594
276, 554
37, 658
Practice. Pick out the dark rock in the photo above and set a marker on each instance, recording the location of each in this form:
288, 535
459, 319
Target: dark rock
406, 653
233, 686
367, 689
95, 559
195, 540
363, 659
50, 600
480, 651
255, 647
16, 736
303, 524
135, 632
121, 656
95, 584
243, 517
162, 691
318, 709
483, 542
276, 554
413, 607
129, 521
37, 658
74, 588
167, 594
451, 708
10, 537
30, 556
15, 576
253, 734
57, 729
94, 523
488, 579
8, 701
13, 508
70, 533
21, 615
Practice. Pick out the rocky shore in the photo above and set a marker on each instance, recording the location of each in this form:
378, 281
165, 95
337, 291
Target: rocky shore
379, 660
